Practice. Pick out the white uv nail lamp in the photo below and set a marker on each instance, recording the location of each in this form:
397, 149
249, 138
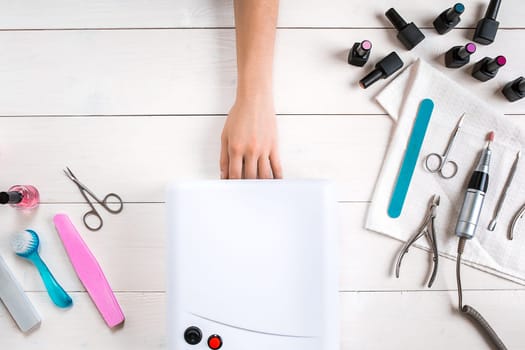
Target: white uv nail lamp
252, 265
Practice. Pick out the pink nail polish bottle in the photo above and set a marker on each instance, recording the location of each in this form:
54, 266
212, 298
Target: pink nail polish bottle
21, 197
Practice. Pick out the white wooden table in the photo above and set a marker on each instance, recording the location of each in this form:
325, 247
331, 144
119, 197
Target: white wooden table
132, 94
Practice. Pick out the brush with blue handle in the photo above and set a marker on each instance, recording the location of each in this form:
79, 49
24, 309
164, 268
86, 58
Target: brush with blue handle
25, 244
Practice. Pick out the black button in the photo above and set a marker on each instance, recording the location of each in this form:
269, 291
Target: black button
193, 335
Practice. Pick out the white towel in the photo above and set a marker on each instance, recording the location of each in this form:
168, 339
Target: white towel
488, 251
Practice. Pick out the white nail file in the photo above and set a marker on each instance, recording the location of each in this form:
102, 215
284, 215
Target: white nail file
16, 300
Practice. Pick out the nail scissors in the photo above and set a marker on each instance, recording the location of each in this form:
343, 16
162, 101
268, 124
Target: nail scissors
439, 163
84, 191
428, 230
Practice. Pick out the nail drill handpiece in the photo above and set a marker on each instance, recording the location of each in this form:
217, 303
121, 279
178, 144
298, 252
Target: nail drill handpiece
477, 188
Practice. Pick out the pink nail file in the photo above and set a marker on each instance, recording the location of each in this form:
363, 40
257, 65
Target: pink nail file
88, 271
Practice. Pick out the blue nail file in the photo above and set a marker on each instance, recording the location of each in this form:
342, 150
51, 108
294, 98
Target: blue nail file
411, 155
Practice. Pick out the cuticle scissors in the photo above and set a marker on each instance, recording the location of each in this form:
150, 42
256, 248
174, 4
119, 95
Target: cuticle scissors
442, 159
84, 191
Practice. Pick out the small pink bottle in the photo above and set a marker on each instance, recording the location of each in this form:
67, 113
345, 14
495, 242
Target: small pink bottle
21, 197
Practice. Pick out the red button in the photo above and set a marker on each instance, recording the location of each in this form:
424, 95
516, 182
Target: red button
214, 342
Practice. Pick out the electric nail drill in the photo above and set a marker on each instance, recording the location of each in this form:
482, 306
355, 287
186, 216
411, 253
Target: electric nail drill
515, 90
465, 230
487, 68
458, 56
449, 18
488, 26
409, 34
383, 69
359, 54
475, 195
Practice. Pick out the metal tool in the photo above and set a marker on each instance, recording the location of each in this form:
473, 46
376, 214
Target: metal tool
501, 200
426, 229
439, 163
84, 191
517, 216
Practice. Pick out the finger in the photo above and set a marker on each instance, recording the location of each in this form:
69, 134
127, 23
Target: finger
275, 163
264, 168
223, 164
250, 167
235, 166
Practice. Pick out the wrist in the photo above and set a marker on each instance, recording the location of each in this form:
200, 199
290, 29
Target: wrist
254, 81
255, 93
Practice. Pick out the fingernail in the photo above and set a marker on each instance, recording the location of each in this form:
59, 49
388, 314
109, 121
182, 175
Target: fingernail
222, 175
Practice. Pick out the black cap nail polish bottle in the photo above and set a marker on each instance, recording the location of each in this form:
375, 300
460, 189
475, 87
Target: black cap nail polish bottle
487, 68
449, 18
515, 90
409, 34
359, 54
384, 68
488, 27
458, 56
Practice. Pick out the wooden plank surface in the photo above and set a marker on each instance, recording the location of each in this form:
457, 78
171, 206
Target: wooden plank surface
428, 320
390, 320
131, 250
144, 72
132, 94
81, 327
137, 156
219, 13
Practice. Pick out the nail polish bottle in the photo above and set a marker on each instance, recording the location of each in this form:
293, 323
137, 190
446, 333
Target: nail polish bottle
383, 69
449, 18
360, 53
21, 197
409, 34
458, 56
488, 26
487, 68
515, 90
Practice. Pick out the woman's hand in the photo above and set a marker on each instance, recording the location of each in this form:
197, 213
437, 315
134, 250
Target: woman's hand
249, 141
249, 138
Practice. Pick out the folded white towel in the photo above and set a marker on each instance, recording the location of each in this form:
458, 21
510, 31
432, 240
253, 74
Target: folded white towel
488, 251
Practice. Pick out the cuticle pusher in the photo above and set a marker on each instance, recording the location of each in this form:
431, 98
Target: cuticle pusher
503, 195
